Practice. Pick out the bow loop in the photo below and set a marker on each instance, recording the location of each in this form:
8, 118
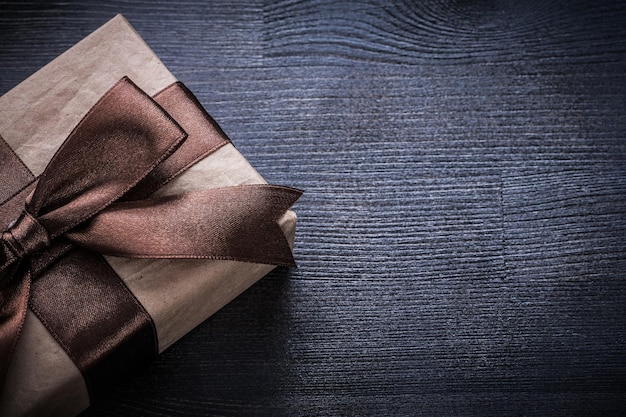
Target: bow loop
117, 144
26, 236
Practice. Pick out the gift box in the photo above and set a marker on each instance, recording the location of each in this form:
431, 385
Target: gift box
94, 310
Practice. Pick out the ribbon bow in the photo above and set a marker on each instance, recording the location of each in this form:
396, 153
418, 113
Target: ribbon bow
80, 199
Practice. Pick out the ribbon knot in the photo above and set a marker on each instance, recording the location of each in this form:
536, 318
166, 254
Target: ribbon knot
26, 236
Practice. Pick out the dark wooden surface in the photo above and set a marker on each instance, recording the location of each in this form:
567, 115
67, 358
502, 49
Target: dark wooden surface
462, 239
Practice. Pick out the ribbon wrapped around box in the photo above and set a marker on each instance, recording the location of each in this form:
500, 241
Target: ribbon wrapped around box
129, 216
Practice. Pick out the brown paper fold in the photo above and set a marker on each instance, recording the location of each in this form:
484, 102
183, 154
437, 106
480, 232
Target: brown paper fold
35, 118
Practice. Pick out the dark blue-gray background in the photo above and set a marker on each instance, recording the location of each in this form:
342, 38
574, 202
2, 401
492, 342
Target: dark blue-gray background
462, 239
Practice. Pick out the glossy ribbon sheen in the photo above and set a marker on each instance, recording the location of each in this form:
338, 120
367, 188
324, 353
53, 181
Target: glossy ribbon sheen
88, 197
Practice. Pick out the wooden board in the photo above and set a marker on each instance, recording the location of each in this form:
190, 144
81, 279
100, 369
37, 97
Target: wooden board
462, 239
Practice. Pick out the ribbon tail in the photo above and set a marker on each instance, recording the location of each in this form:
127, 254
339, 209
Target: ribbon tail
14, 296
234, 223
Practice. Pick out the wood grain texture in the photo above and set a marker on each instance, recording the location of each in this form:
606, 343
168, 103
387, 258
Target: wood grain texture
462, 238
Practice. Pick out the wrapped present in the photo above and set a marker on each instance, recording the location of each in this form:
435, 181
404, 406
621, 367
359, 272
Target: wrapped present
130, 218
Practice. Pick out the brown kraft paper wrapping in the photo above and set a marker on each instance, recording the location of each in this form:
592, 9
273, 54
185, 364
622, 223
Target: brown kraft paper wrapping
35, 118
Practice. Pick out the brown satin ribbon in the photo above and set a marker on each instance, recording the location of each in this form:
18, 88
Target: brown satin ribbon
92, 196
